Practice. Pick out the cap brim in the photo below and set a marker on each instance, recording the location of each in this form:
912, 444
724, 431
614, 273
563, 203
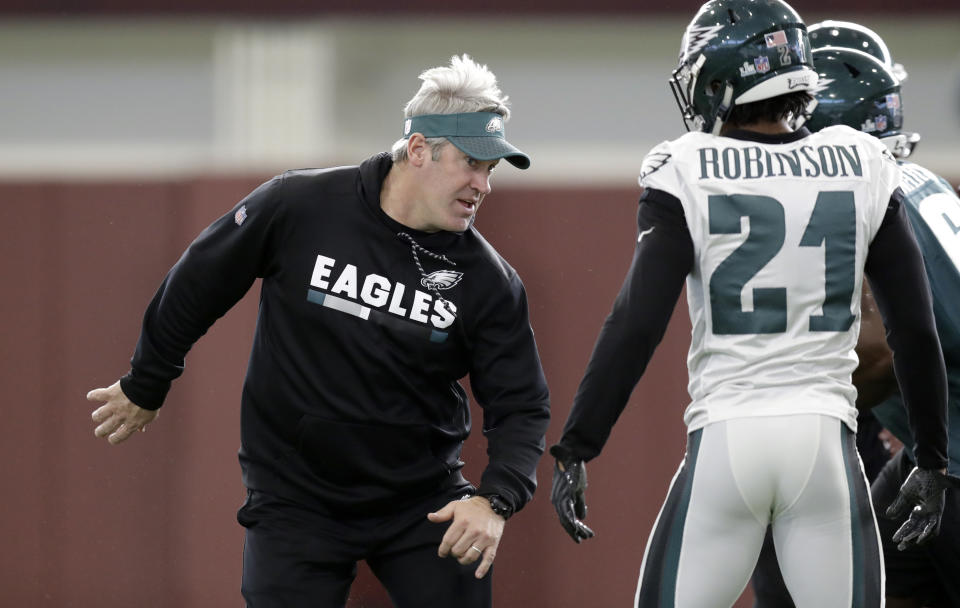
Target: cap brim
491, 148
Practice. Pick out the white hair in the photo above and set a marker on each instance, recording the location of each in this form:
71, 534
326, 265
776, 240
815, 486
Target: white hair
463, 86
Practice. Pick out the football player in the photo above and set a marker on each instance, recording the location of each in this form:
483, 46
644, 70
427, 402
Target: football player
772, 229
861, 89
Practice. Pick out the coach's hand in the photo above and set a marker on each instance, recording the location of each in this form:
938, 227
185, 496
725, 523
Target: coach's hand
924, 494
118, 418
473, 534
569, 484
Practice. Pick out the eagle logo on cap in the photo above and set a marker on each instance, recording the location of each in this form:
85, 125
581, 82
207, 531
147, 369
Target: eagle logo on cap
441, 279
495, 125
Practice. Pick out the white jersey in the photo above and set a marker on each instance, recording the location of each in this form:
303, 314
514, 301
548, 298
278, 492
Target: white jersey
780, 234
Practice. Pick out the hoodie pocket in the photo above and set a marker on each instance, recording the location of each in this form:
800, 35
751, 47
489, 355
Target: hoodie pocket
355, 454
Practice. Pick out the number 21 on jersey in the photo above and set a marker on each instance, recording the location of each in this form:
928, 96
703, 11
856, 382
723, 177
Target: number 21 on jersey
832, 224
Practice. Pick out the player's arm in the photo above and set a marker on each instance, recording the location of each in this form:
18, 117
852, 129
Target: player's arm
641, 312
662, 259
902, 292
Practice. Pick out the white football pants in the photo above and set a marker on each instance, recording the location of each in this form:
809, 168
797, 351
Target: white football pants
800, 473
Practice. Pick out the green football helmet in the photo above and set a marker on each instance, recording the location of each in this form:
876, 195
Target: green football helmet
857, 90
848, 35
736, 52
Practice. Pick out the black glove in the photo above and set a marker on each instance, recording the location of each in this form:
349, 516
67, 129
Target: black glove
567, 494
924, 494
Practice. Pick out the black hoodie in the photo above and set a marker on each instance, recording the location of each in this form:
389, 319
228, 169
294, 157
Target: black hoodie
351, 401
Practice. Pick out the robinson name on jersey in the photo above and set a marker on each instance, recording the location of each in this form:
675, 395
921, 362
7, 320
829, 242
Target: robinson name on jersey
754, 162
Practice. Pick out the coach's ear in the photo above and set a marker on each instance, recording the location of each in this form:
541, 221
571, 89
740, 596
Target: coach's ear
417, 149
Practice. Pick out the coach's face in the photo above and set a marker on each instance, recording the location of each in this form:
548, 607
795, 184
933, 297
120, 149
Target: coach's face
451, 189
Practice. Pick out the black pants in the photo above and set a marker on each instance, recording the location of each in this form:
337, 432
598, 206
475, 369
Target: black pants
296, 557
931, 572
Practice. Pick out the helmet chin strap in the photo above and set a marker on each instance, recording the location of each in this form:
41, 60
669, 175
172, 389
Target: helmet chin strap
723, 111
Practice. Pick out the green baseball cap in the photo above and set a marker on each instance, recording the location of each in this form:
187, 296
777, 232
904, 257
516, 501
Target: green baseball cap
478, 134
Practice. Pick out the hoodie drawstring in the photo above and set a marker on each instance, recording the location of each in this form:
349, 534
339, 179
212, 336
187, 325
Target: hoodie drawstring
426, 282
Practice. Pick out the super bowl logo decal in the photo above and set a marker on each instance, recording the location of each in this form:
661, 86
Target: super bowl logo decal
874, 125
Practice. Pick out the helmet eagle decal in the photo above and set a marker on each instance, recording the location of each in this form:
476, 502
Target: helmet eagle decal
736, 52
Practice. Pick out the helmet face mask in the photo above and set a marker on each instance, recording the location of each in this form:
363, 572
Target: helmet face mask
858, 90
736, 52
682, 81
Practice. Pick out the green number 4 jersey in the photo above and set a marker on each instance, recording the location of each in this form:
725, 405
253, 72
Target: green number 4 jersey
934, 212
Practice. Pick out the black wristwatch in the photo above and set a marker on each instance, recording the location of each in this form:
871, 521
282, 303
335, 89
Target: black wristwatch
499, 505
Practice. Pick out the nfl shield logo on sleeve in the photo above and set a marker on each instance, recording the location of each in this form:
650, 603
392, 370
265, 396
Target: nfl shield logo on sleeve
240, 215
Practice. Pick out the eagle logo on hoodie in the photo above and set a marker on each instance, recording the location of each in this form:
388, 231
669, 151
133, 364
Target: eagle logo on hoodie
441, 279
